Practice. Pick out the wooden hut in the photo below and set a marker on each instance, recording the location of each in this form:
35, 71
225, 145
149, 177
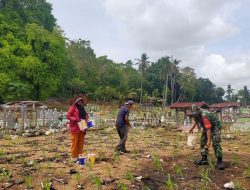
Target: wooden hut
225, 105
184, 106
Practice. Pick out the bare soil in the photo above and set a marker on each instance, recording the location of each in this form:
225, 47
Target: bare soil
25, 162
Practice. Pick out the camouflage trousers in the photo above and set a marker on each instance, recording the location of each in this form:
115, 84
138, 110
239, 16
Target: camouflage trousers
216, 140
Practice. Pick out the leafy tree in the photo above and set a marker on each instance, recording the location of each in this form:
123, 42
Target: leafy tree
244, 96
187, 81
205, 91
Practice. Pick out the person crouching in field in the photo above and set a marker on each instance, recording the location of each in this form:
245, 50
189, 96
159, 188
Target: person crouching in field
77, 114
211, 131
123, 125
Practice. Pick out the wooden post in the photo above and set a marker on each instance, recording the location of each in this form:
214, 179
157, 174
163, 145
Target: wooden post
4, 117
36, 124
221, 119
43, 116
177, 117
23, 119
234, 114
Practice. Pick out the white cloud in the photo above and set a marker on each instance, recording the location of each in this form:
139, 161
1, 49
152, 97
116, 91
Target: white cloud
190, 30
167, 24
223, 72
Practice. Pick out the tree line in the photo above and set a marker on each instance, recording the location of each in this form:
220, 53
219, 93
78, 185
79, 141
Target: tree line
38, 62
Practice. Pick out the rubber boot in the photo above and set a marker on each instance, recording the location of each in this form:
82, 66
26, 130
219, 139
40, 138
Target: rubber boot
220, 164
203, 161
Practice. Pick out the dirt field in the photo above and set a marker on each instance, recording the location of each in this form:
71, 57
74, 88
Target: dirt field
25, 162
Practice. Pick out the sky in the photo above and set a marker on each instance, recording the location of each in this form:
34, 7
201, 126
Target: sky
211, 36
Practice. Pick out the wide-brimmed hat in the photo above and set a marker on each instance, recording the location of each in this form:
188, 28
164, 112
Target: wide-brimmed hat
79, 97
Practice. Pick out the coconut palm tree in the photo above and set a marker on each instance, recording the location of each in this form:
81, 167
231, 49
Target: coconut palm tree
143, 64
229, 92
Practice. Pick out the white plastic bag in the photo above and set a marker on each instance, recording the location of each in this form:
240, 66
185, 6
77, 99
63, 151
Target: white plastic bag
191, 140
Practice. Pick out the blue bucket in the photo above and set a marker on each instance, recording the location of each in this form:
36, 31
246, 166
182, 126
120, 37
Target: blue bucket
90, 124
82, 161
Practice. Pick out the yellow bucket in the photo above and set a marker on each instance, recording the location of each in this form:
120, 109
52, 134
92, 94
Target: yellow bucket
91, 159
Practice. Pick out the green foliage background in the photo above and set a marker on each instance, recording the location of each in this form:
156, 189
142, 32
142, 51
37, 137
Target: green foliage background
38, 62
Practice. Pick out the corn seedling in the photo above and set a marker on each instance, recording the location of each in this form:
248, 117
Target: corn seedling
175, 151
211, 165
2, 154
239, 186
7, 175
170, 185
247, 172
235, 160
46, 185
97, 181
157, 162
116, 157
100, 154
89, 166
122, 186
129, 176
145, 187
13, 159
28, 181
78, 178
178, 170
204, 173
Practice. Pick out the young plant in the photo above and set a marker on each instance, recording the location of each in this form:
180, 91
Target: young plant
97, 181
129, 176
100, 154
170, 185
2, 154
178, 170
157, 162
28, 181
239, 186
235, 160
145, 187
205, 178
78, 178
122, 186
247, 172
211, 165
116, 157
46, 185
7, 174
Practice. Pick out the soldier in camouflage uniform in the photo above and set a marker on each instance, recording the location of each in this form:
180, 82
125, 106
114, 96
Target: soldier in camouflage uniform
211, 131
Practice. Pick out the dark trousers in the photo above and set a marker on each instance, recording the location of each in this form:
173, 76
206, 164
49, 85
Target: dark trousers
123, 134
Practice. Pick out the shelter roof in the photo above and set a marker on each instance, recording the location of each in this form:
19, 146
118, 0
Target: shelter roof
226, 105
188, 105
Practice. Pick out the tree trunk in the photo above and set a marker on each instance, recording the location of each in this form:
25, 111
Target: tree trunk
180, 96
141, 89
37, 91
166, 92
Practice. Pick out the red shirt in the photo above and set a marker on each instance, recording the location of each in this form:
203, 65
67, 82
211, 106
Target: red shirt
206, 122
73, 117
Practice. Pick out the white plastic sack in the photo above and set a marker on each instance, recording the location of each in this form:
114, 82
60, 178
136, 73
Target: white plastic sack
191, 140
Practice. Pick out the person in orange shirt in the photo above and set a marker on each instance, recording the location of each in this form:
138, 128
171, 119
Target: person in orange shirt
75, 115
211, 131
